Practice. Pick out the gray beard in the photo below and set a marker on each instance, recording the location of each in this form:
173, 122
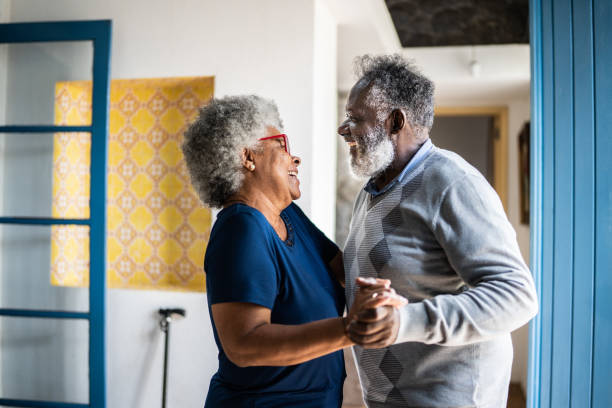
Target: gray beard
374, 154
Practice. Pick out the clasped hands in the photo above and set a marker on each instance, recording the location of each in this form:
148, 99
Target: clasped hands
373, 320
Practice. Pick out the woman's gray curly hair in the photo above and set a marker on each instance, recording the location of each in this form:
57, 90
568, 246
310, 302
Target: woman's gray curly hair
213, 143
397, 83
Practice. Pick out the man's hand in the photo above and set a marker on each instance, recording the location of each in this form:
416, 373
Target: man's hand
374, 324
374, 293
375, 328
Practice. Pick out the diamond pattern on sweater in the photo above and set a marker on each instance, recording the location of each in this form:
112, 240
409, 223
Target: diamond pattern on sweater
412, 185
376, 384
395, 397
392, 220
379, 255
391, 366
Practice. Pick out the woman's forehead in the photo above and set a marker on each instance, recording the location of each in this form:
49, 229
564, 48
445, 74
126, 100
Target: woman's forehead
272, 131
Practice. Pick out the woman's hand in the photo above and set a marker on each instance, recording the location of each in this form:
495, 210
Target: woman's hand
336, 265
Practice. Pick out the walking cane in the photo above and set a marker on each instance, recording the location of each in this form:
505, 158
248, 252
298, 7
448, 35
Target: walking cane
166, 317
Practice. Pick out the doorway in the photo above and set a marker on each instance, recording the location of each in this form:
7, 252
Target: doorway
479, 135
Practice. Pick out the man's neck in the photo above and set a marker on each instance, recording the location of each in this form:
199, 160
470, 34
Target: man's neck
403, 155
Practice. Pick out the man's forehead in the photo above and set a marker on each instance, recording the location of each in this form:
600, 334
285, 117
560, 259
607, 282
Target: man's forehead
357, 96
360, 89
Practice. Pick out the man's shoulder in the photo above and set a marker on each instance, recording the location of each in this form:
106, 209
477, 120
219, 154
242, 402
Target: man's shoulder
444, 168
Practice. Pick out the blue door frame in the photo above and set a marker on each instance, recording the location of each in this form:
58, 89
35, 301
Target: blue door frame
99, 32
571, 200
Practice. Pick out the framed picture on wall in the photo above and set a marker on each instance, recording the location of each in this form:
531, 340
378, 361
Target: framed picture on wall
523, 141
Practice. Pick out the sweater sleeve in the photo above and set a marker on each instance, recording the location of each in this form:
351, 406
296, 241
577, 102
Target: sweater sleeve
499, 295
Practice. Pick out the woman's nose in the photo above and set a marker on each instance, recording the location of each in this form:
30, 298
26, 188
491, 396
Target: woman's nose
296, 160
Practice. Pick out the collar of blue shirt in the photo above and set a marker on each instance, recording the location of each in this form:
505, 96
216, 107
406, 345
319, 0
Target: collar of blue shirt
370, 186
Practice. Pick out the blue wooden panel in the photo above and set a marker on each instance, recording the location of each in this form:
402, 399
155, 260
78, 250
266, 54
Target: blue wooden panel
563, 196
43, 221
571, 362
535, 205
43, 129
97, 248
546, 210
38, 404
602, 347
572, 164
44, 314
584, 205
53, 31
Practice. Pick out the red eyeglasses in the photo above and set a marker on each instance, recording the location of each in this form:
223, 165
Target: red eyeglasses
281, 136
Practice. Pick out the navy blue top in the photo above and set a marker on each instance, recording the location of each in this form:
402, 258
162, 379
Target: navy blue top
246, 261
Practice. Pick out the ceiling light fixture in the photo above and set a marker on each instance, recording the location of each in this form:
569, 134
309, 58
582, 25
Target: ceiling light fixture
475, 67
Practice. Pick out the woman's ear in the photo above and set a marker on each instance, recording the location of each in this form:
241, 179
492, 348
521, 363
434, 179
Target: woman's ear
248, 159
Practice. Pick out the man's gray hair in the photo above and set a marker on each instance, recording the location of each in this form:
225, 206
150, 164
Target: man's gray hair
395, 83
213, 143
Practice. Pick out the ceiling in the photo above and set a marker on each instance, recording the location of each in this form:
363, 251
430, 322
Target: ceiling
460, 22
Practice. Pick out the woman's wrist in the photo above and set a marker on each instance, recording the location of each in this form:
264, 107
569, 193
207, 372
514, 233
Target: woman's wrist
345, 323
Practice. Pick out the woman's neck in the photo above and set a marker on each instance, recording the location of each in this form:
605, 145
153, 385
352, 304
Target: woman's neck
264, 205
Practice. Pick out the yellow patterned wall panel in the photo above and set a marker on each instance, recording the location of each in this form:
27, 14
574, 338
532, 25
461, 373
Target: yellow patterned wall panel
157, 228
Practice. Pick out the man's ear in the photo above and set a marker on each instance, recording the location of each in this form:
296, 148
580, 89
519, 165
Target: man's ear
398, 121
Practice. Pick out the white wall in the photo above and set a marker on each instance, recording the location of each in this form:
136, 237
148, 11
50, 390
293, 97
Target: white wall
323, 143
265, 47
364, 27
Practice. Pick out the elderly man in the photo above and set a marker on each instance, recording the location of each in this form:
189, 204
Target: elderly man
429, 222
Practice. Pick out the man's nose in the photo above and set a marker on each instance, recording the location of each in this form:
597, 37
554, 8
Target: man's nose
343, 129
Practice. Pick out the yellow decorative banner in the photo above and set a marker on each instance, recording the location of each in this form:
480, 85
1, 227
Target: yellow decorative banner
157, 228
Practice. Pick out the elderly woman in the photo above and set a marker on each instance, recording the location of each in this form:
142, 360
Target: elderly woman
273, 279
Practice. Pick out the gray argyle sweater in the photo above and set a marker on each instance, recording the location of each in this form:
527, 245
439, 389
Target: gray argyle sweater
441, 236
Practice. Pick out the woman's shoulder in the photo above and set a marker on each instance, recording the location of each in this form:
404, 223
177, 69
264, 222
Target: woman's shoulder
294, 211
238, 229
239, 219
